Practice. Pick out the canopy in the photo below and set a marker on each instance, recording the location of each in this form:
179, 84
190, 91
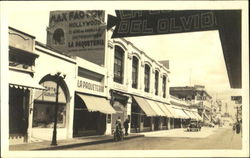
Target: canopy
97, 104
23, 80
197, 115
181, 113
165, 109
190, 114
156, 107
171, 110
145, 106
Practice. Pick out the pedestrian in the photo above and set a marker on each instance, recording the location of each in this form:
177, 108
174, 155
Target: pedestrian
237, 127
125, 125
118, 123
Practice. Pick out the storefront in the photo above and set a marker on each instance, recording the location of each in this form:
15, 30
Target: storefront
92, 107
21, 84
57, 74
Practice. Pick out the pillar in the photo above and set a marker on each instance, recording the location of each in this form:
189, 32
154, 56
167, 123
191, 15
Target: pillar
30, 115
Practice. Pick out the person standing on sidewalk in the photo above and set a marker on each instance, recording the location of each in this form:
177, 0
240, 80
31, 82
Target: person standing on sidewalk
125, 125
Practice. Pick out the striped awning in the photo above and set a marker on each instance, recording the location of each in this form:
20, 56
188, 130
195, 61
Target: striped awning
155, 107
190, 114
23, 80
94, 103
181, 113
171, 110
165, 110
197, 115
145, 106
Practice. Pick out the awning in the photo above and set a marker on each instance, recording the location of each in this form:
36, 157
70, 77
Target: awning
197, 115
206, 117
156, 107
97, 104
145, 106
171, 110
181, 113
23, 81
165, 109
190, 114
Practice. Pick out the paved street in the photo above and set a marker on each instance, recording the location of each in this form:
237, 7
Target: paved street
208, 138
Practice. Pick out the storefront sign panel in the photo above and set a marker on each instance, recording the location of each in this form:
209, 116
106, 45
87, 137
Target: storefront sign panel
89, 86
78, 33
50, 93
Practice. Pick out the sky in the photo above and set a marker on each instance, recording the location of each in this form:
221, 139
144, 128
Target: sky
195, 58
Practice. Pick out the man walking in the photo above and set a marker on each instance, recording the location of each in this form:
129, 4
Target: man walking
125, 125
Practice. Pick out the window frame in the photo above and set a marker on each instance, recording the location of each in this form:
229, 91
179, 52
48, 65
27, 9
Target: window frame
118, 65
135, 66
147, 70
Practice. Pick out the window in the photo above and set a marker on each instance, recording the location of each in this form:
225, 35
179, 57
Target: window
156, 82
134, 72
118, 64
146, 78
164, 86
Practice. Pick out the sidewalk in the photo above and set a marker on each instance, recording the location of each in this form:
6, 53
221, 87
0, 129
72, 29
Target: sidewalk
68, 143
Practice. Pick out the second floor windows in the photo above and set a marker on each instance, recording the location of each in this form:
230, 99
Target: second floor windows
134, 72
164, 81
118, 64
146, 78
156, 82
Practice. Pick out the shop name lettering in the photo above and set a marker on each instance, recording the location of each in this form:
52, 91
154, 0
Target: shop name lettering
165, 25
75, 15
90, 86
50, 91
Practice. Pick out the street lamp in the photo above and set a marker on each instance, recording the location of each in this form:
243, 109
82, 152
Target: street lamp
58, 76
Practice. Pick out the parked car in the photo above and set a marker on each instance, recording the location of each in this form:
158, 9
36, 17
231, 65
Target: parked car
194, 126
211, 125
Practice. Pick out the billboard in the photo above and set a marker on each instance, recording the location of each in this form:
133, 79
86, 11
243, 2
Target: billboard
78, 33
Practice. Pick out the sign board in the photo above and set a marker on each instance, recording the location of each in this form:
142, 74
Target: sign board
50, 94
78, 33
199, 86
85, 85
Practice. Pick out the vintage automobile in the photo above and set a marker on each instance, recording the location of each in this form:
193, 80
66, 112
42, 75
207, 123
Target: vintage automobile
194, 126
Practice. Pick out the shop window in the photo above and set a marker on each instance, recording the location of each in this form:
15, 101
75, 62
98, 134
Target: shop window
108, 118
118, 64
134, 72
44, 113
164, 86
147, 121
146, 78
156, 82
164, 122
44, 106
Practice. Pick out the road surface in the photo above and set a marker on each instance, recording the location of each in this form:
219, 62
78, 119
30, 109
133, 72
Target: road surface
218, 138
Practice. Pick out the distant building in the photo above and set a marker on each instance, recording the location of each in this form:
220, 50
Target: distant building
198, 98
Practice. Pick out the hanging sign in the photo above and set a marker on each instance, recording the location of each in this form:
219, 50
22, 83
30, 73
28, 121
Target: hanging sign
130, 23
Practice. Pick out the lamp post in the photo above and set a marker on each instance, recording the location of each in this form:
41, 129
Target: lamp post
58, 77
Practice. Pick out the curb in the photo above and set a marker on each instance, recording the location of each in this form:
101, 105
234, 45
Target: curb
84, 143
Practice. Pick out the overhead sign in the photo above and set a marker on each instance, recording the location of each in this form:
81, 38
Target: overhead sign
130, 23
78, 33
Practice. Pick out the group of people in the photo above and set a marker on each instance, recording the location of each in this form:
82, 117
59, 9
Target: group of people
125, 125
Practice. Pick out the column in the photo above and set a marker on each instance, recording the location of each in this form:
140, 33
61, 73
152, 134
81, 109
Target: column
30, 114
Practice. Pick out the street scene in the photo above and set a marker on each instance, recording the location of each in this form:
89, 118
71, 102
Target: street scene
81, 79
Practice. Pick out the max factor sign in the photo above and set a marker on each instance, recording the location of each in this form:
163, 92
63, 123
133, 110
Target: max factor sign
78, 33
89, 86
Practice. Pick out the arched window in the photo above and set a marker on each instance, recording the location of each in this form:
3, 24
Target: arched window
118, 64
156, 82
146, 78
164, 81
134, 72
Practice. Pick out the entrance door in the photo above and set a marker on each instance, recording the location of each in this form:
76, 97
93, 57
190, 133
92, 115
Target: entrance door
18, 118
